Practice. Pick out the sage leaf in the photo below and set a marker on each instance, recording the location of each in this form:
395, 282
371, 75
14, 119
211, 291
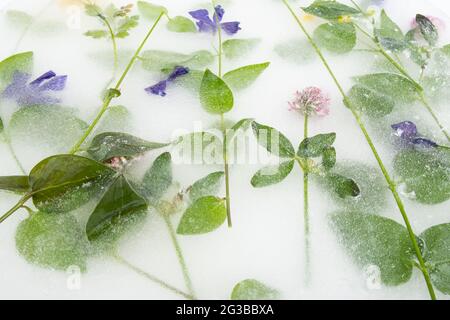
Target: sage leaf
206, 214
273, 140
251, 289
158, 178
272, 174
118, 202
370, 102
150, 11
236, 48
19, 184
207, 186
243, 77
125, 25
65, 182
330, 10
427, 29
181, 24
52, 241
336, 37
437, 253
21, 62
315, 146
425, 173
372, 240
215, 96
389, 34
157, 60
108, 145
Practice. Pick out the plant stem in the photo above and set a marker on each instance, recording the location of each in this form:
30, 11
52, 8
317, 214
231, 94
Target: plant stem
114, 43
13, 153
150, 277
110, 97
19, 205
173, 236
306, 210
386, 175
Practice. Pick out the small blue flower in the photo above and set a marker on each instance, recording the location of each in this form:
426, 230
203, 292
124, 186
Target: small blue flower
35, 92
160, 88
407, 131
206, 24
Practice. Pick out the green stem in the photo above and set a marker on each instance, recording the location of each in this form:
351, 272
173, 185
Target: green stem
433, 114
114, 43
306, 210
110, 97
180, 256
152, 278
13, 153
226, 170
18, 205
386, 175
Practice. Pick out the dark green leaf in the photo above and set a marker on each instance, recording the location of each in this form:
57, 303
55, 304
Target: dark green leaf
425, 173
181, 24
272, 174
204, 215
207, 186
329, 158
236, 48
118, 202
157, 60
389, 34
437, 253
370, 102
251, 289
331, 10
53, 241
342, 186
19, 184
336, 37
215, 96
243, 77
22, 62
108, 145
273, 140
374, 240
158, 178
150, 11
313, 147
427, 29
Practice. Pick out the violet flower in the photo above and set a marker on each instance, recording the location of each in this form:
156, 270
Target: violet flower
206, 24
35, 92
311, 100
407, 132
160, 88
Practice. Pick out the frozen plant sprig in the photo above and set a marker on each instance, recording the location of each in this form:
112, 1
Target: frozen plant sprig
392, 186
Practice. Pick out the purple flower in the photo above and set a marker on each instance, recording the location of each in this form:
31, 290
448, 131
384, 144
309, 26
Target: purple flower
407, 131
35, 92
160, 88
311, 100
206, 24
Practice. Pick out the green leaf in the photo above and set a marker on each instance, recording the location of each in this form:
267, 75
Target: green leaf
207, 186
298, 51
157, 60
427, 29
331, 10
65, 182
336, 37
108, 145
374, 240
251, 289
370, 102
92, 10
52, 241
236, 48
215, 96
446, 50
329, 158
158, 178
19, 19
272, 174
116, 119
425, 173
204, 215
125, 25
19, 184
343, 186
53, 127
240, 126
118, 202
150, 11
315, 146
437, 253
273, 140
243, 77
389, 34
96, 34
22, 62
181, 24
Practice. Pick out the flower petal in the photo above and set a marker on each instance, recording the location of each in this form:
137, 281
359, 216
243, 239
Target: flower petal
48, 75
158, 89
219, 12
405, 130
56, 84
425, 143
230, 28
178, 72
204, 22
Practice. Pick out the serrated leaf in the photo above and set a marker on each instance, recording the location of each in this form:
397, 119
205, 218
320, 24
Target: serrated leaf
370, 102
207, 186
251, 289
331, 10
150, 11
181, 24
427, 29
243, 77
389, 34
273, 140
215, 95
372, 240
19, 184
158, 178
236, 48
96, 34
272, 174
157, 60
315, 146
336, 37
125, 25
204, 215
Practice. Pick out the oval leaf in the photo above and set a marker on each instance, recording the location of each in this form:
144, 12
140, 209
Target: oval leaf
272, 174
181, 24
389, 34
336, 37
273, 140
236, 48
315, 146
158, 178
251, 289
329, 9
343, 186
427, 29
157, 60
370, 102
19, 184
215, 96
22, 62
207, 186
243, 77
149, 10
